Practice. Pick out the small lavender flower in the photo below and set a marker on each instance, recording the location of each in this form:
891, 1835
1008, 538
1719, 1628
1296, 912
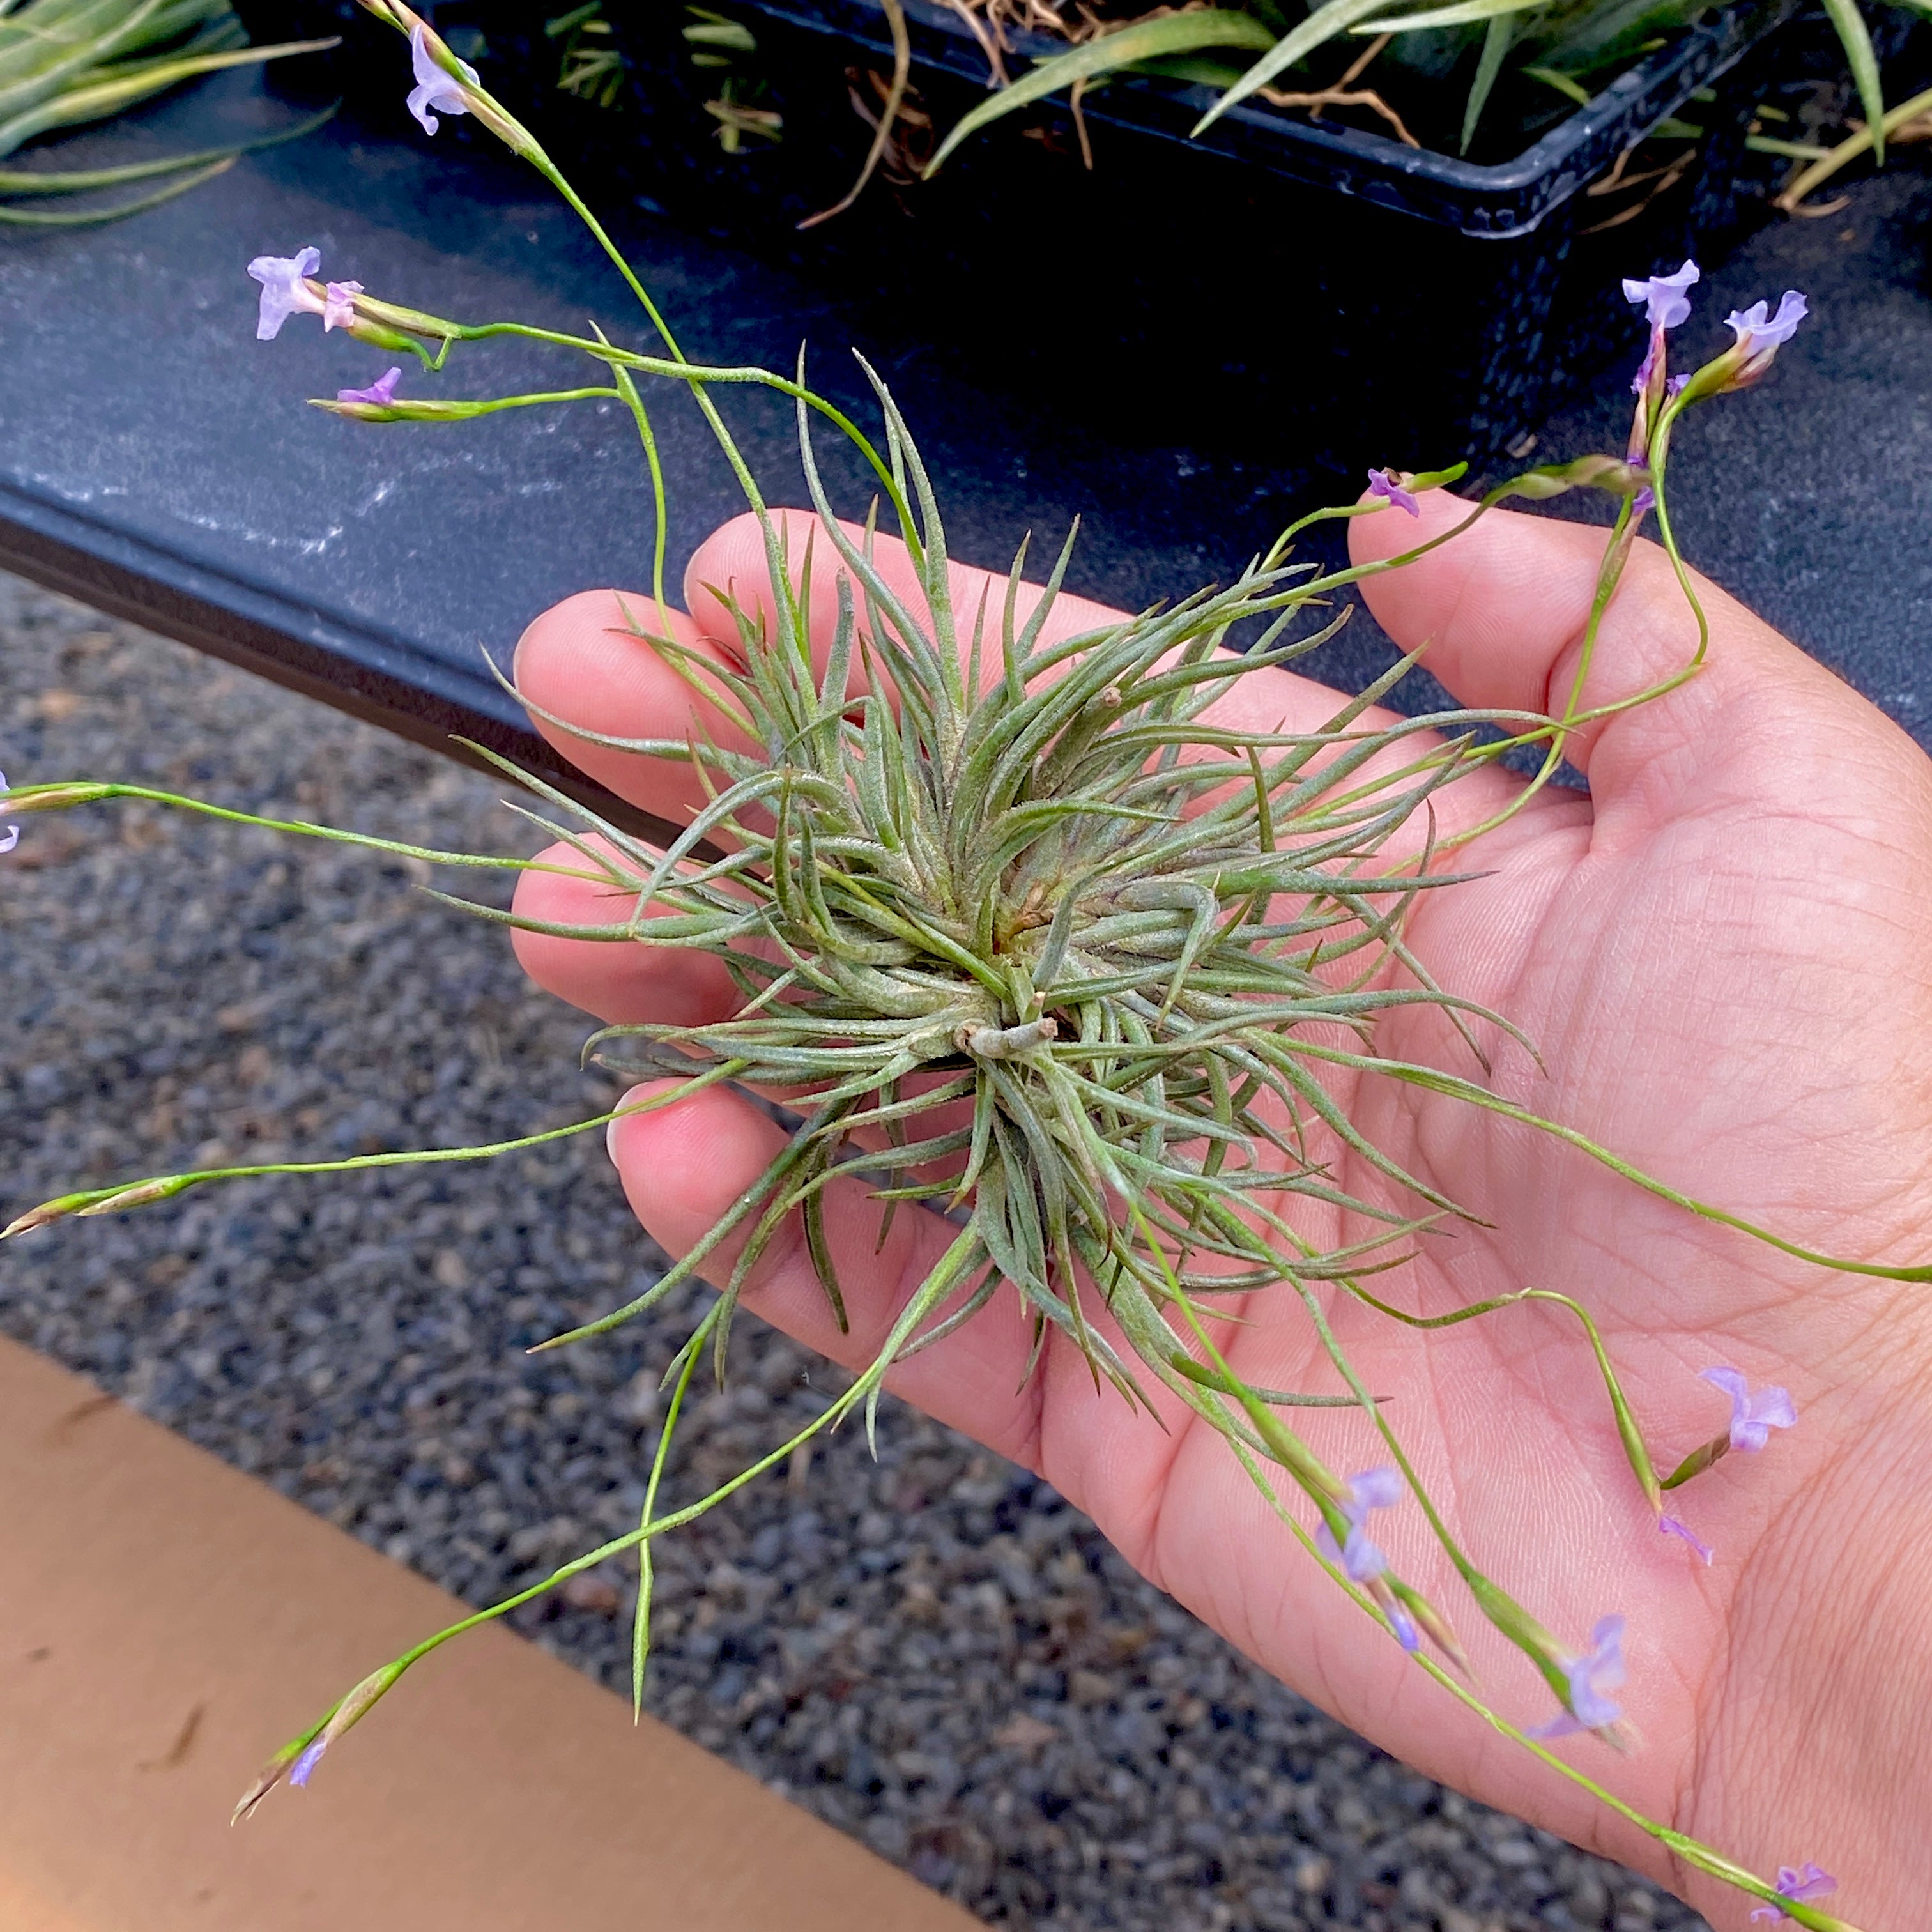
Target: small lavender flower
1752, 1417
382, 392
434, 88
1643, 501
338, 305
1382, 483
1403, 1625
1813, 1882
1671, 1526
1360, 1558
1760, 334
1590, 1677
285, 289
305, 1765
1665, 303
10, 837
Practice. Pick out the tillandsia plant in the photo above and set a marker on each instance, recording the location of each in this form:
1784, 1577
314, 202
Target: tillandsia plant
1029, 936
68, 64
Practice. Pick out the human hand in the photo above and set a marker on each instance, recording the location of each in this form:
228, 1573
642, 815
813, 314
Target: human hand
1719, 956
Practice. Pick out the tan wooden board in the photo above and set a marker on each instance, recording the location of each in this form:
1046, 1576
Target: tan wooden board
166, 1623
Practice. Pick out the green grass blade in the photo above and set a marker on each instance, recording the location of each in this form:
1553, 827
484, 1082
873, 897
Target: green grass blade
1172, 33
1321, 27
1864, 58
1495, 48
1462, 13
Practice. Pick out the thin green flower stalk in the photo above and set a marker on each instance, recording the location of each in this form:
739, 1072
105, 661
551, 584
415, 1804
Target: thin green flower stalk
1029, 936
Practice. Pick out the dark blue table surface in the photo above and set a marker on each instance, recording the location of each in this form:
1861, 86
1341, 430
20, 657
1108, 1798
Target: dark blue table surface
155, 457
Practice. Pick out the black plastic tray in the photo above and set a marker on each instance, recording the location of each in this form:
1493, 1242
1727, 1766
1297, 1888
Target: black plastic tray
1279, 284
1497, 202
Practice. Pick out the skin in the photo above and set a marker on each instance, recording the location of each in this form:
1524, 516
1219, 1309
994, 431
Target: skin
1722, 954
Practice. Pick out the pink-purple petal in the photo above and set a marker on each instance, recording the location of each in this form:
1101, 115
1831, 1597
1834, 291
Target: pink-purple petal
434, 88
285, 289
1752, 1416
1666, 305
1383, 483
382, 392
1684, 1533
1804, 1885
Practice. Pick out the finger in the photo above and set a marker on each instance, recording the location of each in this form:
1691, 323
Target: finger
684, 1167
731, 566
584, 663
1503, 610
620, 981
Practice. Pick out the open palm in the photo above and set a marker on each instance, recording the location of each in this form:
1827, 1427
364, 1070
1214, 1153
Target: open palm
1724, 958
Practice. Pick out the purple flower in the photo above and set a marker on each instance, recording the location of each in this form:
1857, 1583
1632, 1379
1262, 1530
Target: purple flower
382, 392
1645, 500
434, 88
309, 1758
338, 305
1750, 326
11, 836
1752, 1417
1758, 339
1813, 1882
1403, 1625
285, 289
1590, 1677
1359, 1559
1665, 303
1671, 1526
1382, 483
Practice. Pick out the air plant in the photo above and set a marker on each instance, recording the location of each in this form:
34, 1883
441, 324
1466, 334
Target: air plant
70, 63
1027, 937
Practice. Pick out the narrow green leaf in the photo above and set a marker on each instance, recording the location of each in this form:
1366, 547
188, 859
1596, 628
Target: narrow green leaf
1864, 58
1321, 27
1496, 41
1172, 33
1461, 13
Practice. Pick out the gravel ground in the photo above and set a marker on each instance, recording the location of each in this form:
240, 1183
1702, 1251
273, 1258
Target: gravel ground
934, 1652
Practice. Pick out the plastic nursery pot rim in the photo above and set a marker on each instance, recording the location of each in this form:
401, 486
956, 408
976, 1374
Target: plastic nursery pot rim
1511, 198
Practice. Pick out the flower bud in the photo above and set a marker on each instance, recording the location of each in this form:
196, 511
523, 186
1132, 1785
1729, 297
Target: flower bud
51, 797
43, 1216
298, 1761
139, 1195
